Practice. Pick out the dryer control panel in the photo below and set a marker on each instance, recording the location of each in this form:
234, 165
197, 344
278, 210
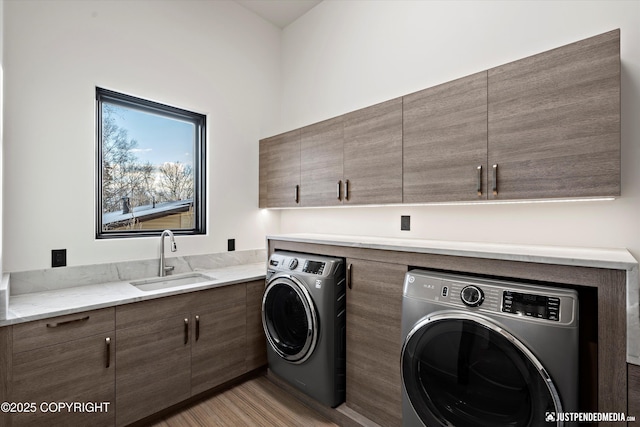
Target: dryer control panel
507, 298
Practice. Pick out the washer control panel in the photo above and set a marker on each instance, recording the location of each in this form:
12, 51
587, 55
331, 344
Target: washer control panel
300, 263
543, 303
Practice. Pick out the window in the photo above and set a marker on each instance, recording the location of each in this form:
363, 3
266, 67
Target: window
150, 167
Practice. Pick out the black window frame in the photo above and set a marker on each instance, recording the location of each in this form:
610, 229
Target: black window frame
199, 165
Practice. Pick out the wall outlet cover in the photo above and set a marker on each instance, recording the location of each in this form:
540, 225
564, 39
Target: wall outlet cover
231, 245
405, 223
58, 258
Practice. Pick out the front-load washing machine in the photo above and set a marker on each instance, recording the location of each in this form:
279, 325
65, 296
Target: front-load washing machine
303, 314
487, 353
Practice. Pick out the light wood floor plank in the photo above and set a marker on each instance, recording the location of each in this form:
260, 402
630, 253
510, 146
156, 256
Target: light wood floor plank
256, 402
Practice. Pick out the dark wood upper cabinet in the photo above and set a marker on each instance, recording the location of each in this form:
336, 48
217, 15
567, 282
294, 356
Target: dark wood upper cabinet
547, 126
321, 156
445, 142
373, 154
554, 122
280, 166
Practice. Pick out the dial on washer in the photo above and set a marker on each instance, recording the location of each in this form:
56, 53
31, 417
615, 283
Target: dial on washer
472, 296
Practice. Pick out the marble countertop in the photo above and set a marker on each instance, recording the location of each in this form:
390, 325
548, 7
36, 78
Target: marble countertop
39, 305
615, 258
610, 258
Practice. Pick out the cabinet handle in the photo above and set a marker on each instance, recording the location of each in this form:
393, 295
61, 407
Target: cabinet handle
66, 322
479, 168
349, 276
186, 331
495, 180
346, 189
297, 194
338, 192
197, 328
107, 342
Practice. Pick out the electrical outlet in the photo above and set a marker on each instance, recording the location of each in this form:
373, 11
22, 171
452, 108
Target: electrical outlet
58, 258
405, 223
231, 245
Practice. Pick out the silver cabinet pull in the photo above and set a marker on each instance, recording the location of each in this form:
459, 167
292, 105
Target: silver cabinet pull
349, 285
107, 342
186, 331
346, 189
479, 168
297, 194
339, 185
495, 180
197, 328
66, 322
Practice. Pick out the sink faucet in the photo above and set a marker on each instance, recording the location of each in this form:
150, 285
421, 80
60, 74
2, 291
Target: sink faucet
165, 269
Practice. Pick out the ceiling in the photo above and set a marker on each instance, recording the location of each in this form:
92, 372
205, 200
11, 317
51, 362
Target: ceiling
279, 12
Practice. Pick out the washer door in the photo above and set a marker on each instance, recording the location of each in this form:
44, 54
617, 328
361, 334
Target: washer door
289, 319
462, 370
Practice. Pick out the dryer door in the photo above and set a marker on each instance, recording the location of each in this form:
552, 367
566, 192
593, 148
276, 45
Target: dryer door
462, 370
289, 318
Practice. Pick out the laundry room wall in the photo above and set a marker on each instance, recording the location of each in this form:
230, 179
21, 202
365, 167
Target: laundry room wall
212, 57
342, 56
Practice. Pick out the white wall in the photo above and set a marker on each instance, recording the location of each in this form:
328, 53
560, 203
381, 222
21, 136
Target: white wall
345, 55
213, 57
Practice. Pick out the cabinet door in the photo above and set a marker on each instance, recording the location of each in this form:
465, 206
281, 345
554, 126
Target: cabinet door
153, 357
256, 340
81, 370
219, 338
445, 142
373, 154
374, 311
633, 398
554, 122
281, 169
321, 163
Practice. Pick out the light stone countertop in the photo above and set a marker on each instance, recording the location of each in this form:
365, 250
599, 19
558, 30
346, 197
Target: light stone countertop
49, 303
615, 258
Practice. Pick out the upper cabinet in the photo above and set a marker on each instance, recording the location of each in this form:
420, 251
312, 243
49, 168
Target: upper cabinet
280, 167
321, 163
445, 142
554, 122
373, 154
547, 126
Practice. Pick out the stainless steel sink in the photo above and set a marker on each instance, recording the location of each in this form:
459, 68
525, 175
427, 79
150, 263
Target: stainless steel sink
169, 282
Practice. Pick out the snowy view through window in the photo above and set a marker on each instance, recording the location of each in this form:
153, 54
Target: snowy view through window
148, 164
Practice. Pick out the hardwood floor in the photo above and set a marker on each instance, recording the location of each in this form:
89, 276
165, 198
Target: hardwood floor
255, 402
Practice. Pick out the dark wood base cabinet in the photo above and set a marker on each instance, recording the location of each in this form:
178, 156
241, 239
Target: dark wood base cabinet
633, 403
59, 361
137, 359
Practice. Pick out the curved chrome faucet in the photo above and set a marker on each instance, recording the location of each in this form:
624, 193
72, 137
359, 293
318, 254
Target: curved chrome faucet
165, 269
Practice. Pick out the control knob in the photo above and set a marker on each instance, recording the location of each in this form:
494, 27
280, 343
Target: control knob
293, 264
472, 296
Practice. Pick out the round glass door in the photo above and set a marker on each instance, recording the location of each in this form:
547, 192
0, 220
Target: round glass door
461, 370
289, 319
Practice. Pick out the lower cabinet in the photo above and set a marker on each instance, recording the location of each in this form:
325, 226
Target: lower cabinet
153, 357
64, 360
256, 350
130, 361
219, 337
633, 398
176, 347
374, 307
